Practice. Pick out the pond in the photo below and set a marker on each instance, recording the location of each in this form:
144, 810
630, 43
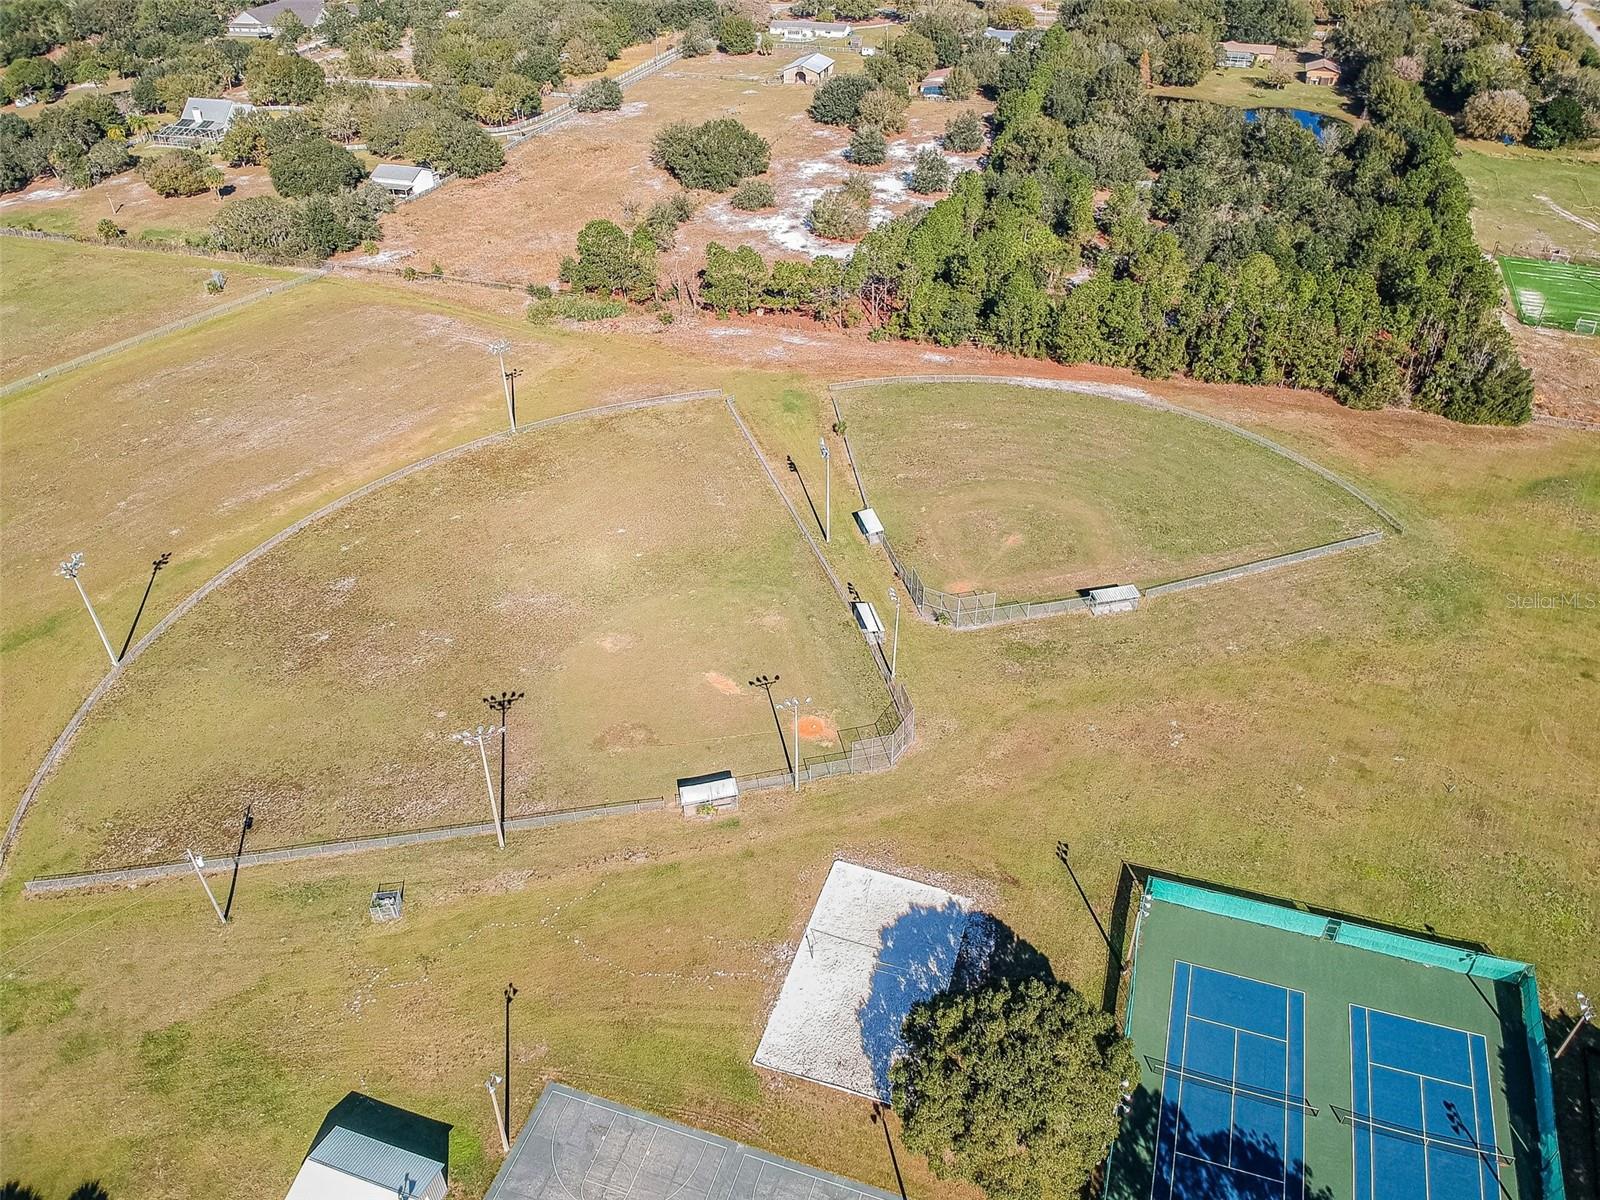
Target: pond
1317, 123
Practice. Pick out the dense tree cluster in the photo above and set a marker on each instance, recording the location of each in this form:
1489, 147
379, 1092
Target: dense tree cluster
80, 143
612, 262
712, 157
300, 230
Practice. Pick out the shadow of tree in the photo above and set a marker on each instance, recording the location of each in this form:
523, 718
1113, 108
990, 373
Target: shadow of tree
1205, 1168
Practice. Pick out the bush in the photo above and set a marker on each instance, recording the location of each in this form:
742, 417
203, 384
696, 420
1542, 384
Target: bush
1497, 114
964, 133
177, 173
843, 214
664, 217
754, 194
612, 262
314, 166
886, 110
837, 100
736, 34
960, 83
930, 173
540, 291
1012, 16
108, 230
603, 95
714, 156
867, 147
697, 40
280, 230
575, 308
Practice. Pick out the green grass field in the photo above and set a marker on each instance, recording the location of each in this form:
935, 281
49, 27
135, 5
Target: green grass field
1406, 733
1245, 89
1034, 494
1563, 295
1517, 192
629, 573
60, 300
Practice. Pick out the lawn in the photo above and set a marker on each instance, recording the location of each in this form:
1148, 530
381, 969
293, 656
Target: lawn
1035, 494
629, 573
1407, 733
61, 301
1245, 89
1516, 193
1563, 295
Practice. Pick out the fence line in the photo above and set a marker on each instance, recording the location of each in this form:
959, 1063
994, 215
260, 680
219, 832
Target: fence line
49, 884
521, 131
61, 744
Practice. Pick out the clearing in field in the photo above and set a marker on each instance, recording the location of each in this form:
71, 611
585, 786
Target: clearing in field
1559, 294
1036, 493
1525, 198
61, 300
623, 571
1287, 1053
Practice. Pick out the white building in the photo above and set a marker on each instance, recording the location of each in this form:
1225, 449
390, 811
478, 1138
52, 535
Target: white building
813, 68
262, 20
1004, 36
346, 1165
399, 179
1107, 600
808, 31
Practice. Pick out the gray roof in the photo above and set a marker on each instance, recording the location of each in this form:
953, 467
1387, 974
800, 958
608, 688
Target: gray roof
811, 62
377, 1162
209, 108
395, 173
1007, 36
309, 11
835, 28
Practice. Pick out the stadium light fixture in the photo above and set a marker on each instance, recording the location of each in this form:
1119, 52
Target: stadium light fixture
1585, 1016
793, 703
155, 569
198, 862
498, 349
479, 737
505, 1097
69, 570
894, 650
494, 1103
501, 704
827, 491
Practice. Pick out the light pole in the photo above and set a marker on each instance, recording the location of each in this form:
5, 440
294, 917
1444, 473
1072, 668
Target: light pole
1585, 1015
498, 349
505, 1098
827, 491
793, 704
69, 570
478, 737
494, 1103
894, 650
155, 569
502, 705
198, 862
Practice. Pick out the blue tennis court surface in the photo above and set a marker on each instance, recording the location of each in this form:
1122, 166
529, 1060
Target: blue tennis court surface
1232, 1123
1424, 1116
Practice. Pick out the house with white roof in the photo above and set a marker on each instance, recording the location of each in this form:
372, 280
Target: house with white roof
202, 122
812, 68
403, 180
809, 31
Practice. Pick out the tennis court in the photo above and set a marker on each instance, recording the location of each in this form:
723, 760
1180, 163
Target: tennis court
1555, 294
1289, 1053
1423, 1113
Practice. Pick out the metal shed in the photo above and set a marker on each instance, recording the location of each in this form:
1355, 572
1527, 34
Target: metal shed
1106, 600
867, 620
871, 528
719, 789
346, 1165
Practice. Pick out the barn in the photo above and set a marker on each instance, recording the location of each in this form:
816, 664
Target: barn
812, 68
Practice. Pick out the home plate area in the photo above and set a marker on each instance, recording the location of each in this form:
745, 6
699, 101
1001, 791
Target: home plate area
582, 1147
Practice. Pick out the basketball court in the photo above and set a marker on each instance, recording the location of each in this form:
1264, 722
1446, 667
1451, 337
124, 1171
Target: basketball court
581, 1147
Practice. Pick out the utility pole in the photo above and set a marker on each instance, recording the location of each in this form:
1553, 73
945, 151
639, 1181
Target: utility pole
502, 704
198, 863
69, 570
498, 349
478, 737
827, 491
1585, 1015
793, 704
505, 1097
155, 569
894, 650
494, 1103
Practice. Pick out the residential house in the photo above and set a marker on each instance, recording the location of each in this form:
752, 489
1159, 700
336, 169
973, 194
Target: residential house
202, 122
813, 68
932, 85
1323, 72
262, 20
809, 31
1238, 55
1004, 37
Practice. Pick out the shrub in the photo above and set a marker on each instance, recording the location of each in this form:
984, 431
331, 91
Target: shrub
176, 173
697, 40
603, 95
960, 83
843, 214
108, 230
930, 173
575, 308
714, 156
867, 147
664, 217
754, 194
886, 110
611, 262
837, 100
964, 133
312, 167
1012, 16
540, 291
1497, 114
736, 34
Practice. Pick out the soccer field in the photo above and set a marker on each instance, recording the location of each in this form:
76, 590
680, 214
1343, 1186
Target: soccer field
1562, 295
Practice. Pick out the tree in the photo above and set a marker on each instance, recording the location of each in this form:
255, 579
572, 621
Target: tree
697, 40
176, 173
713, 156
32, 77
314, 165
108, 230
1188, 59
753, 195
1012, 16
842, 214
960, 83
886, 110
1497, 114
1559, 121
837, 100
964, 133
13, 1189
732, 280
600, 96
612, 262
106, 158
585, 54
736, 34
867, 147
1013, 1087
274, 76
89, 1191
930, 173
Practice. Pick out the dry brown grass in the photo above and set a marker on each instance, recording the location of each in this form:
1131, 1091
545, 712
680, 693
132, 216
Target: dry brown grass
51, 206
